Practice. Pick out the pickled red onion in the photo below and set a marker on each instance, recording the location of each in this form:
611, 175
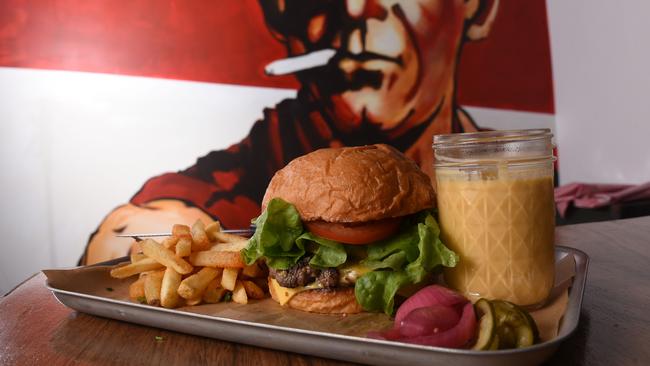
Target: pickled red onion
456, 337
428, 320
429, 296
433, 317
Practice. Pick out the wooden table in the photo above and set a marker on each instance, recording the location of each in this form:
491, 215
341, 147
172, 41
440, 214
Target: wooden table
614, 326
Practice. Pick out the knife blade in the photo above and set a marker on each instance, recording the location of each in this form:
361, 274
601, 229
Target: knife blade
139, 236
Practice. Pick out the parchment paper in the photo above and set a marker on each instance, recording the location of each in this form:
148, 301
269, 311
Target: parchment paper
96, 281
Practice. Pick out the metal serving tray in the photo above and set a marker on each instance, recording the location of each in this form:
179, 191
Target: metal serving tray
321, 343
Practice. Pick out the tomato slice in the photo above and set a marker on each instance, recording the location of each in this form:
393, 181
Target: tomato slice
357, 233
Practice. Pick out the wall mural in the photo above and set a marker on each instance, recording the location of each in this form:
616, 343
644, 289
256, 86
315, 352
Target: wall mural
366, 71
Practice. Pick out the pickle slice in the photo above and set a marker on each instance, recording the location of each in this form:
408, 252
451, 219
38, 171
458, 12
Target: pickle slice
486, 326
507, 336
532, 323
516, 328
495, 343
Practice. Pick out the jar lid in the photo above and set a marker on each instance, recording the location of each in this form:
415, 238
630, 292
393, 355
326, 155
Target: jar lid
509, 145
490, 136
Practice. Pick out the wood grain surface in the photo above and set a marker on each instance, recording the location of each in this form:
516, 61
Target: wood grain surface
614, 326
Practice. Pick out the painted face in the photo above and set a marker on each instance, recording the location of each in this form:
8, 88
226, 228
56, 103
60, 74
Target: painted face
395, 59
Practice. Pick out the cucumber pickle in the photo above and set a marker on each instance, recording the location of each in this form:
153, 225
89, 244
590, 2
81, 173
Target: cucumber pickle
504, 325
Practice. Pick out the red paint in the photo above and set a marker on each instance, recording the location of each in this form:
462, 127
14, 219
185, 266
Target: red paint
197, 192
172, 185
225, 181
191, 40
228, 42
239, 211
511, 69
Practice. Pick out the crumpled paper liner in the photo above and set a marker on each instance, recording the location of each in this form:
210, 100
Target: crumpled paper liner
96, 281
549, 316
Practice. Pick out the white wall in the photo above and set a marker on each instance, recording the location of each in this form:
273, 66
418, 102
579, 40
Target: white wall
75, 145
601, 70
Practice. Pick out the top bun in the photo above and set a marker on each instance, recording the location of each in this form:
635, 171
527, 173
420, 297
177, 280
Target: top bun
352, 184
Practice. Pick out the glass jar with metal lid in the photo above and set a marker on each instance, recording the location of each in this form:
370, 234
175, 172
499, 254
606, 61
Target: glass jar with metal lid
496, 210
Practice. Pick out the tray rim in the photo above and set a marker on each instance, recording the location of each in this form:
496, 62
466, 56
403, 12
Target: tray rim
568, 326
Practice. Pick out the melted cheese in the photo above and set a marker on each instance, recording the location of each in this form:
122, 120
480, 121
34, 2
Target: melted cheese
284, 294
349, 274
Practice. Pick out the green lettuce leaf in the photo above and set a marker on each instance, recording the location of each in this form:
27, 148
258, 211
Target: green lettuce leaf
394, 261
280, 238
375, 291
433, 252
327, 253
275, 236
410, 256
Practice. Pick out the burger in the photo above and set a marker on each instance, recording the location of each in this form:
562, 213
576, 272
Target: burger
344, 230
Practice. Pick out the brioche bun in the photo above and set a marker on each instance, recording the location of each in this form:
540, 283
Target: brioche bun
352, 184
340, 300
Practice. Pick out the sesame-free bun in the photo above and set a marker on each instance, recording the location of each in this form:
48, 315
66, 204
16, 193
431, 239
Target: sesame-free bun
352, 184
339, 300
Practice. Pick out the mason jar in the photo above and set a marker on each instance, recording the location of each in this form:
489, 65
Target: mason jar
497, 212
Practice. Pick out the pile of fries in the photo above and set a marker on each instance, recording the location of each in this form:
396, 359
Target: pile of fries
195, 265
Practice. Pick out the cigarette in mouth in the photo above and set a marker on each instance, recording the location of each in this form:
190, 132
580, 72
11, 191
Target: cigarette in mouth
298, 63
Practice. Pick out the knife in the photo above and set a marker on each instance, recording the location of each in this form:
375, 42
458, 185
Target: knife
139, 236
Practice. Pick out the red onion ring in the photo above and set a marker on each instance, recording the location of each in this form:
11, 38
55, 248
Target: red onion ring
433, 317
429, 320
456, 337
429, 296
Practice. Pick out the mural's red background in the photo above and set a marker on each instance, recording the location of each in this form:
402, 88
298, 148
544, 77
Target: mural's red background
226, 41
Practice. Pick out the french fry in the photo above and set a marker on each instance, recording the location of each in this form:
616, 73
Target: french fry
168, 291
234, 246
239, 294
193, 286
136, 289
227, 237
184, 247
165, 256
218, 278
135, 247
142, 274
170, 242
152, 287
131, 269
181, 231
211, 228
210, 258
136, 257
262, 283
209, 272
252, 290
214, 292
192, 302
200, 239
252, 271
229, 278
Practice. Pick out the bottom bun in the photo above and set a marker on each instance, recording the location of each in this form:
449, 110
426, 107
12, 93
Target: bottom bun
339, 300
